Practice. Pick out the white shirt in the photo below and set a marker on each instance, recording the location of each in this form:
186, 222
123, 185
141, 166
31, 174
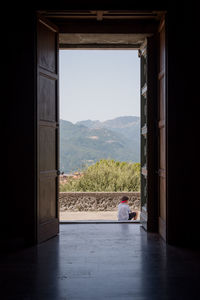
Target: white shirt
123, 212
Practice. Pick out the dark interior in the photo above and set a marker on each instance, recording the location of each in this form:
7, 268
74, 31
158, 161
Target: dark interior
19, 217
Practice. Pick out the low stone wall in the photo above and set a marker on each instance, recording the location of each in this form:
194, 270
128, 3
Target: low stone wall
99, 201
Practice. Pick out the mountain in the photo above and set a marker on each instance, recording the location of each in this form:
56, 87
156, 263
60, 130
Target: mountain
129, 126
88, 141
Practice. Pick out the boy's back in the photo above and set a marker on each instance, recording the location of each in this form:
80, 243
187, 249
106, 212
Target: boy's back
123, 212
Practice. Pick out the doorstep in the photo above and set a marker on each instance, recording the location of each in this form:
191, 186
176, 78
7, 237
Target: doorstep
98, 222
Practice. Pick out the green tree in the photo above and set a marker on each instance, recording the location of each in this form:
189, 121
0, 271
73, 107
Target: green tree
106, 176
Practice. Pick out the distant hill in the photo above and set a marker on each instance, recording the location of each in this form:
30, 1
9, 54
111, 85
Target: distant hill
129, 126
88, 141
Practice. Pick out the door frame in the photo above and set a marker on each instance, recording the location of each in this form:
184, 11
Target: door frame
150, 219
141, 27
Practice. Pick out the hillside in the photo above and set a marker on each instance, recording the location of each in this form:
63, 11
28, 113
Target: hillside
86, 142
128, 126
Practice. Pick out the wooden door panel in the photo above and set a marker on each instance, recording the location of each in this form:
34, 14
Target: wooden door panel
162, 132
162, 96
162, 197
162, 154
47, 130
47, 52
47, 148
162, 45
47, 94
47, 206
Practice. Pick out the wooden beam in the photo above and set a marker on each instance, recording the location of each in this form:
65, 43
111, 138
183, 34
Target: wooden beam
99, 15
103, 14
99, 46
107, 26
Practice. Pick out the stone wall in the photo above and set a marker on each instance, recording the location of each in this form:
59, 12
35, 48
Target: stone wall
99, 201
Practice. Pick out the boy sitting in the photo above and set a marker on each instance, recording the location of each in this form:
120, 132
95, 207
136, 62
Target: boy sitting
124, 212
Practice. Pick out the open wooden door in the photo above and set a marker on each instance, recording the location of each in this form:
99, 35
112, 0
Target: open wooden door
144, 129
47, 130
162, 131
148, 94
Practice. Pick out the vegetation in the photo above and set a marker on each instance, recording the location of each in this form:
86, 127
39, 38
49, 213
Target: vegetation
106, 176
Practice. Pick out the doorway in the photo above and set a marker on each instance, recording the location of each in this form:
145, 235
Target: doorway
99, 133
48, 120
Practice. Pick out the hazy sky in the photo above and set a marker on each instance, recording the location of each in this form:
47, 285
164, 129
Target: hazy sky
99, 84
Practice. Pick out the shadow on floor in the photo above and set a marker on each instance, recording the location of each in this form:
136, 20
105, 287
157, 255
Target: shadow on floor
101, 261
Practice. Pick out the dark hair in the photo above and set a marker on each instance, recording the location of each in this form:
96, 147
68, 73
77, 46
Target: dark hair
124, 198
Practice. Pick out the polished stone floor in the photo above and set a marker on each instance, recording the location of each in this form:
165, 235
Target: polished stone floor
101, 261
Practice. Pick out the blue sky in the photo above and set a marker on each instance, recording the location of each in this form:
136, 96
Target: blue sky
99, 84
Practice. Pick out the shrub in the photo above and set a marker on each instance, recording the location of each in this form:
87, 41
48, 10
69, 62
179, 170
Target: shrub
106, 176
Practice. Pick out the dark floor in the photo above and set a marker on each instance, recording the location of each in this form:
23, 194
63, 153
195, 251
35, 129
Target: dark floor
101, 261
